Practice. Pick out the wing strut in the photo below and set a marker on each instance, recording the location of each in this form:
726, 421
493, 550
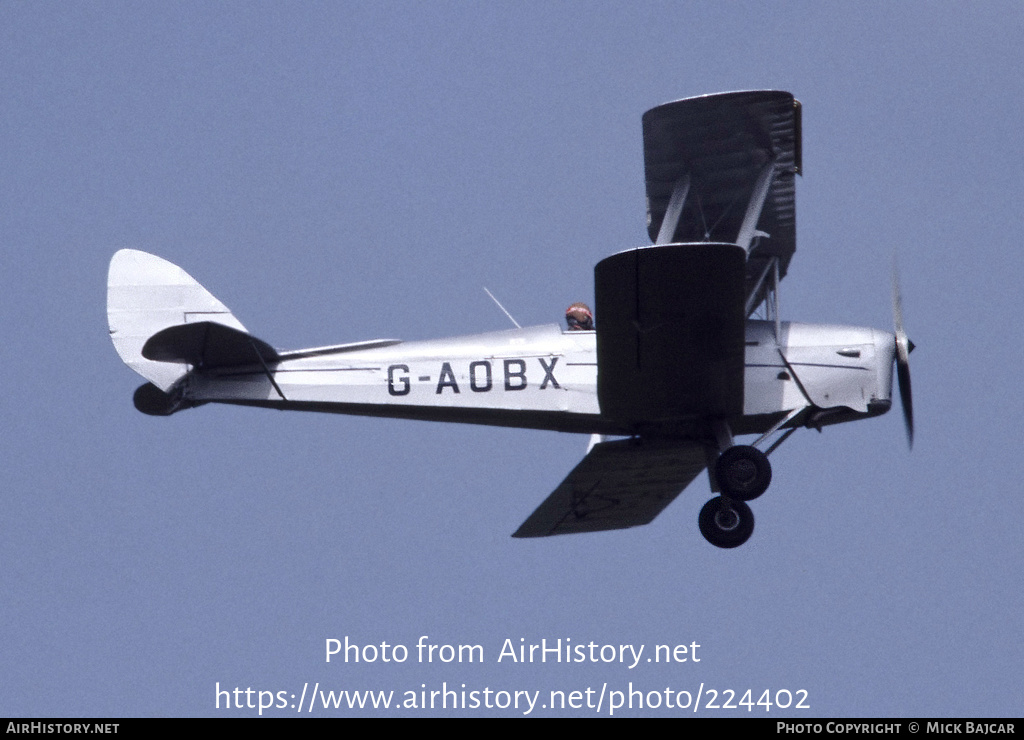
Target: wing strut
773, 300
752, 297
749, 228
770, 296
667, 232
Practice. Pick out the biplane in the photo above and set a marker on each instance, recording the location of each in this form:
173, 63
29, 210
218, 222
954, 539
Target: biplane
687, 354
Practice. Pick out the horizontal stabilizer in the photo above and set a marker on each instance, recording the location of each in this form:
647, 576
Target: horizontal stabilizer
619, 484
206, 345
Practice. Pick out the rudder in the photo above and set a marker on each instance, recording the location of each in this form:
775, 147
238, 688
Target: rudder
146, 294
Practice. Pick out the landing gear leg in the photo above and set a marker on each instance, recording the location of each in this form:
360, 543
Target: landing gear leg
741, 473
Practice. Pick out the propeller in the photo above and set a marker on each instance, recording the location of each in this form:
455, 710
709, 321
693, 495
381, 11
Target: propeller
903, 349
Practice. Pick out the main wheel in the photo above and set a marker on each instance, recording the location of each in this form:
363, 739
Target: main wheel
726, 523
743, 472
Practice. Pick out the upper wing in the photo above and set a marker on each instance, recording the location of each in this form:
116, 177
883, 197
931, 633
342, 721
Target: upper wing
618, 484
721, 168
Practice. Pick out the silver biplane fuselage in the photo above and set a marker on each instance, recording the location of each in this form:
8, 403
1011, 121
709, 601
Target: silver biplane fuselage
688, 350
543, 377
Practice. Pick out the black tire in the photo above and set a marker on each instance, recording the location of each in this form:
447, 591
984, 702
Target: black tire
726, 524
743, 472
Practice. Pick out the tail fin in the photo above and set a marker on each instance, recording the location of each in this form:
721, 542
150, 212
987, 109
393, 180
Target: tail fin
147, 294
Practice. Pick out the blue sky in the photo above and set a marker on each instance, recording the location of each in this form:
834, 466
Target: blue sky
344, 171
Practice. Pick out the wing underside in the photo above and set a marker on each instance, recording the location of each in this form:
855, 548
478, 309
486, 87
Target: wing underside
619, 484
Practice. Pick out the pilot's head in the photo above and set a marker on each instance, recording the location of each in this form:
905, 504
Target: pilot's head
579, 318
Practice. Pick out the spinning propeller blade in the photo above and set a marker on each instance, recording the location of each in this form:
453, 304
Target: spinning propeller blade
903, 349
